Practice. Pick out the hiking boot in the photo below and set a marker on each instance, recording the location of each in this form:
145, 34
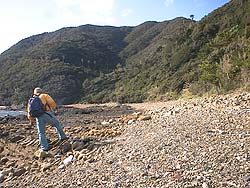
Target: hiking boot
40, 154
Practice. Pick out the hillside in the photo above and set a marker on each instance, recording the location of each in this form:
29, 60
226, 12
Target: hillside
60, 61
152, 61
206, 56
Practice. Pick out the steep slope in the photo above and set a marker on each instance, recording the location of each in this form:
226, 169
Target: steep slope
151, 67
223, 57
59, 61
194, 57
130, 83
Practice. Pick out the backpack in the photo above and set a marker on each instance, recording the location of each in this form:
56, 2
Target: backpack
36, 108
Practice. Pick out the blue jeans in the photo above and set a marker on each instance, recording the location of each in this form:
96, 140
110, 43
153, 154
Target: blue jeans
41, 127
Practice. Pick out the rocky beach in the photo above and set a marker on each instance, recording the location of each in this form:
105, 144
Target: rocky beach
188, 143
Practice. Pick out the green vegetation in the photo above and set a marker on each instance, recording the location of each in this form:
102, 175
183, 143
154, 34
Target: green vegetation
153, 61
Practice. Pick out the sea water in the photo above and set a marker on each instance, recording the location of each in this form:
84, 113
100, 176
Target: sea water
4, 113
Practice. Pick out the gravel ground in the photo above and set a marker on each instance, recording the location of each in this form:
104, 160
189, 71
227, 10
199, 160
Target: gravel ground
201, 142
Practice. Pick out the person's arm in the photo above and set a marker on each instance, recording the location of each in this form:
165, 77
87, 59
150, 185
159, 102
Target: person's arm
30, 118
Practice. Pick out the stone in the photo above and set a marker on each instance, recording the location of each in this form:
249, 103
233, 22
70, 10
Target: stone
65, 147
205, 185
10, 164
111, 121
4, 160
81, 157
68, 160
58, 156
2, 177
79, 183
7, 171
1, 149
61, 167
78, 145
49, 186
16, 138
105, 123
45, 167
19, 171
131, 121
246, 178
144, 117
204, 145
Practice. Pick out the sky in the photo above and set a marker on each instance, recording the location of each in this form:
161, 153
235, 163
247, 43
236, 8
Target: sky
20, 19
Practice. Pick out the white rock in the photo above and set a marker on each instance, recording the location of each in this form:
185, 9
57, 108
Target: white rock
61, 166
105, 123
68, 160
205, 185
131, 121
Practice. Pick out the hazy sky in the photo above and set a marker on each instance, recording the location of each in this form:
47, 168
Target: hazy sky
20, 19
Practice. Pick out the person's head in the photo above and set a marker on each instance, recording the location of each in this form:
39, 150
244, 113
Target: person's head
37, 91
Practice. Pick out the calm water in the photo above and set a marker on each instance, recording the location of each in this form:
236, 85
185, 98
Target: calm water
11, 113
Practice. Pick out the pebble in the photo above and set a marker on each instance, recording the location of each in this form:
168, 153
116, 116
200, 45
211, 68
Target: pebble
246, 178
205, 185
68, 160
201, 142
2, 177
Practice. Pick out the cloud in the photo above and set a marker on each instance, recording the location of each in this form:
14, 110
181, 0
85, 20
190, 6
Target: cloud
34, 17
80, 12
126, 12
168, 2
200, 3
